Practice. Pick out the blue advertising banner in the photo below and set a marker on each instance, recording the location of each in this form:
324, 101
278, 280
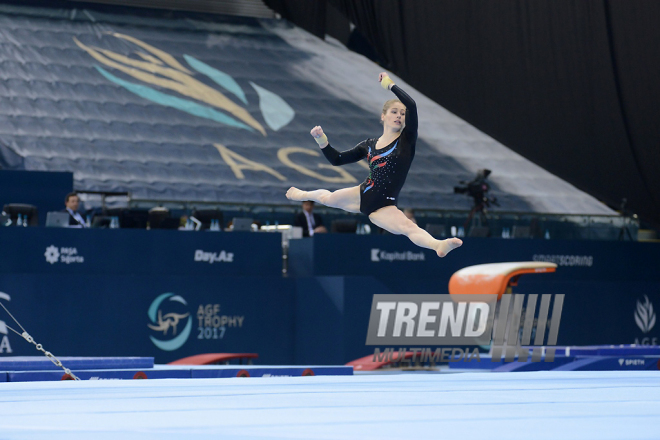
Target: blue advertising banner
397, 257
128, 251
164, 317
333, 327
172, 294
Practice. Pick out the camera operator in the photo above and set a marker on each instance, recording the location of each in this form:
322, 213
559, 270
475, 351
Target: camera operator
477, 189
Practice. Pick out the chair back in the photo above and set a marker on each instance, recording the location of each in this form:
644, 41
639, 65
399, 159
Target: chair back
31, 211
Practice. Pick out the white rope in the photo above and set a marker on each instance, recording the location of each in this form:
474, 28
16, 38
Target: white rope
25, 335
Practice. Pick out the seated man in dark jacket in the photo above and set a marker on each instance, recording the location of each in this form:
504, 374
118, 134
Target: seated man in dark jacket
311, 223
75, 219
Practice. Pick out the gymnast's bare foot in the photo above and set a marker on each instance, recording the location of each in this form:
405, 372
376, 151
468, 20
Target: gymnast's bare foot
447, 246
295, 194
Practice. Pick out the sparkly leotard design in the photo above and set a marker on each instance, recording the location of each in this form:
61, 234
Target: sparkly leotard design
388, 166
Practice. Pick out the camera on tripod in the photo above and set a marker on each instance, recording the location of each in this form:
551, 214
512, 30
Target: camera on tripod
478, 189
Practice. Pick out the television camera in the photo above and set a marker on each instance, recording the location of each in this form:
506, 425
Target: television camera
477, 189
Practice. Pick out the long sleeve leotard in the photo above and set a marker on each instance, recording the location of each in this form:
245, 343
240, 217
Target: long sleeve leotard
388, 166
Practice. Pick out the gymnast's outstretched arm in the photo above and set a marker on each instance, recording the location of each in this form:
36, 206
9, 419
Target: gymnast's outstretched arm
412, 121
411, 110
336, 158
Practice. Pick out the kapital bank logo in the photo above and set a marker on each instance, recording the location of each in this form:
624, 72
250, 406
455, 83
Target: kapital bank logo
166, 312
378, 255
644, 315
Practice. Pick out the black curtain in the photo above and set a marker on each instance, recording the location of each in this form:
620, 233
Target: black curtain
635, 46
572, 85
307, 14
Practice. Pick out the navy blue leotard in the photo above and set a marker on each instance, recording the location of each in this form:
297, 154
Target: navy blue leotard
388, 166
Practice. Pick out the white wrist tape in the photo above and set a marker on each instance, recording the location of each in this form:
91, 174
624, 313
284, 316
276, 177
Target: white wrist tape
386, 82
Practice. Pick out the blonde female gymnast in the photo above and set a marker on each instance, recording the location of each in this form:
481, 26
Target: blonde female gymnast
389, 158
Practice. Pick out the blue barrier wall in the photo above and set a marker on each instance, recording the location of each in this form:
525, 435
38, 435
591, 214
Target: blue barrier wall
604, 284
135, 292
126, 251
109, 315
333, 327
388, 255
90, 292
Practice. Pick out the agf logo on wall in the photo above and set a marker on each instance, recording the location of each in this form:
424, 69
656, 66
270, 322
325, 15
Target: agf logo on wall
645, 319
644, 315
166, 312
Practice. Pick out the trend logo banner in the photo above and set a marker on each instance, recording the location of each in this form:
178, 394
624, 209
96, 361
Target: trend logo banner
462, 320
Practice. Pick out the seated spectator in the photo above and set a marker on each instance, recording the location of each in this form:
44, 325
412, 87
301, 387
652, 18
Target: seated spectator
311, 223
72, 202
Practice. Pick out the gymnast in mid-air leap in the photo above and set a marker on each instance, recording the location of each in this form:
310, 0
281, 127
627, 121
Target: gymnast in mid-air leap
389, 160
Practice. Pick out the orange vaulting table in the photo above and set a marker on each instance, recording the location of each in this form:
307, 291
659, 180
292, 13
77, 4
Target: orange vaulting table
494, 278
